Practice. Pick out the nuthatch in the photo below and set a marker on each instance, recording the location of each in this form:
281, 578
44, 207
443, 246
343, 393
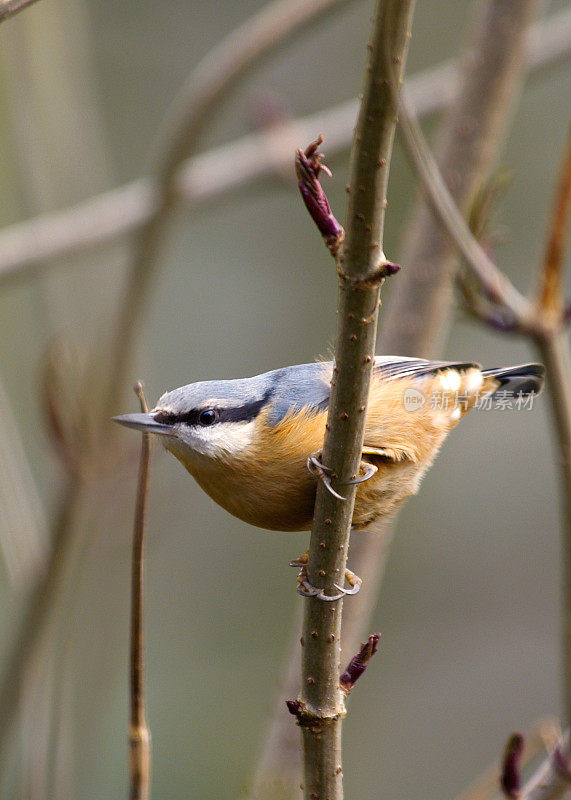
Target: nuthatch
249, 443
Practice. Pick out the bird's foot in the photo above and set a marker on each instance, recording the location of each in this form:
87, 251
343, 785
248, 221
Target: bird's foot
305, 589
368, 472
323, 473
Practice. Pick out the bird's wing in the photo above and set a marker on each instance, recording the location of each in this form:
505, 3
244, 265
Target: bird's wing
392, 367
307, 385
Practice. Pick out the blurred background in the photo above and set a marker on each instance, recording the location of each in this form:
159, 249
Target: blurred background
470, 607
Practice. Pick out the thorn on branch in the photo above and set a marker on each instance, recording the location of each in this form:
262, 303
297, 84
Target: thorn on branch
358, 663
510, 778
308, 165
375, 278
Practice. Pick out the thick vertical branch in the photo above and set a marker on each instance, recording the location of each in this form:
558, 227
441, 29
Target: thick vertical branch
361, 270
277, 775
414, 323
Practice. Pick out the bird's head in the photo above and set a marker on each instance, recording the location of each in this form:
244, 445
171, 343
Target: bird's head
212, 419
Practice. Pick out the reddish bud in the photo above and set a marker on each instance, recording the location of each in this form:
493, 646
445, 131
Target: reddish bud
358, 663
308, 166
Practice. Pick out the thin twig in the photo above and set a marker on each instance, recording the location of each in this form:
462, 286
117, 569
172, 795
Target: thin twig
499, 287
555, 354
10, 7
139, 735
359, 269
31, 246
467, 147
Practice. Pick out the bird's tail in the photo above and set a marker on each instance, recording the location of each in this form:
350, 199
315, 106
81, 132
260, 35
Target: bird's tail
522, 380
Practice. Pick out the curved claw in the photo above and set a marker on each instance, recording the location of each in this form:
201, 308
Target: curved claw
354, 590
370, 470
305, 589
330, 598
315, 466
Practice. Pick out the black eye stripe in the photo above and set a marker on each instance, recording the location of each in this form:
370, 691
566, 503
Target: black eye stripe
244, 413
165, 417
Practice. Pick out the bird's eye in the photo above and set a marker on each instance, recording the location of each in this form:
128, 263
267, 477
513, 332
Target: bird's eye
208, 417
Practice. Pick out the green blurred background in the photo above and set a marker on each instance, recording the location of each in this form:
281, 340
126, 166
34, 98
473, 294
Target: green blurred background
469, 610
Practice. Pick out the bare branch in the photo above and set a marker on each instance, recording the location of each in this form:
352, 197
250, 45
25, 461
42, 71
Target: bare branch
278, 772
543, 321
555, 354
27, 247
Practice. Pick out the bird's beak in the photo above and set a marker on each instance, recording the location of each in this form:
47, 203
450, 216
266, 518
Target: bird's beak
144, 422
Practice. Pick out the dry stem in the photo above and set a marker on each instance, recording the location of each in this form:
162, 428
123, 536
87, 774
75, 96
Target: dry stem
139, 735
